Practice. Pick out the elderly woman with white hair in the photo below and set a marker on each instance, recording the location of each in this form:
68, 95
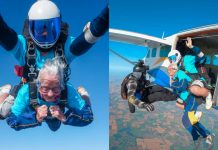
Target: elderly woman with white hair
181, 84
48, 103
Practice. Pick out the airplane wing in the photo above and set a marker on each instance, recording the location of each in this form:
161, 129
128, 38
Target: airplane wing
158, 73
136, 38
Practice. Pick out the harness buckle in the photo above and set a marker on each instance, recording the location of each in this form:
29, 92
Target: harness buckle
32, 75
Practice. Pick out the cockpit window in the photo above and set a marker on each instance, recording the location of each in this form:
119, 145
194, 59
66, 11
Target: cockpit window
164, 51
153, 53
148, 54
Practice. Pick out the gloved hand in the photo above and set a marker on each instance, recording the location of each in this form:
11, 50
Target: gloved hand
147, 83
148, 107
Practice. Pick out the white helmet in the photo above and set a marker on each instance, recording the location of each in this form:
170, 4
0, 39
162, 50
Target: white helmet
44, 23
174, 56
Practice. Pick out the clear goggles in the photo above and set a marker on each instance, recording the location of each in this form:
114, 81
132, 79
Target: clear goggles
45, 90
45, 32
172, 58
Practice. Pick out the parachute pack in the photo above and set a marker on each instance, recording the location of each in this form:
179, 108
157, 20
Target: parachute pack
124, 88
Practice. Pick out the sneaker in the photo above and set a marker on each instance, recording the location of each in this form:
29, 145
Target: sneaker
210, 141
197, 143
198, 115
131, 107
84, 94
209, 102
82, 91
4, 92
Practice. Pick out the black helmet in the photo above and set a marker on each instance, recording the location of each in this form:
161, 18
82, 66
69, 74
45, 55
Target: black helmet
140, 67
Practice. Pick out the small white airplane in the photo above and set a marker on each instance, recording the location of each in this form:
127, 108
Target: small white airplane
205, 37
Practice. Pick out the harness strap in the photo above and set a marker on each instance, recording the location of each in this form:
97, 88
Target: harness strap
182, 67
31, 61
63, 99
59, 52
33, 95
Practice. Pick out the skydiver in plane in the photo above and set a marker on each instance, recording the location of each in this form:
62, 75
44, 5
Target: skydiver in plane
139, 92
191, 117
187, 62
45, 36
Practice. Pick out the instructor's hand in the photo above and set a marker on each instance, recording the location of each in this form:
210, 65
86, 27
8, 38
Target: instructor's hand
189, 42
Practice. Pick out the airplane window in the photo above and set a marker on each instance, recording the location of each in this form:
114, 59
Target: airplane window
208, 59
153, 53
148, 55
164, 51
215, 60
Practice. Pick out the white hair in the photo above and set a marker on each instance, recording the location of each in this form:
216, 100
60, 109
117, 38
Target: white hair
53, 67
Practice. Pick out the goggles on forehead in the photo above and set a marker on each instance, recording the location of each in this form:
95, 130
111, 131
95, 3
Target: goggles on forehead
45, 32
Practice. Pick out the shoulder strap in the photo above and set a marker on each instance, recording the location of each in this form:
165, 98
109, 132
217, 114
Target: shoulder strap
25, 32
33, 94
59, 48
182, 67
63, 98
30, 73
64, 32
59, 52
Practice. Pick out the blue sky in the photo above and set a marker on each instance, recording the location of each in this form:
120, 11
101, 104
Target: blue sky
89, 70
154, 18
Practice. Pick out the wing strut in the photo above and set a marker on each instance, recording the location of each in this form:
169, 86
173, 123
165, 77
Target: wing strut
131, 62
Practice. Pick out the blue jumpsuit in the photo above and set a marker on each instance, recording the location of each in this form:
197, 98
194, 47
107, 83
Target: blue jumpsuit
22, 116
190, 122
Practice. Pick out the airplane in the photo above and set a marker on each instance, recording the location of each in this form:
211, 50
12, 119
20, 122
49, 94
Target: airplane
205, 37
